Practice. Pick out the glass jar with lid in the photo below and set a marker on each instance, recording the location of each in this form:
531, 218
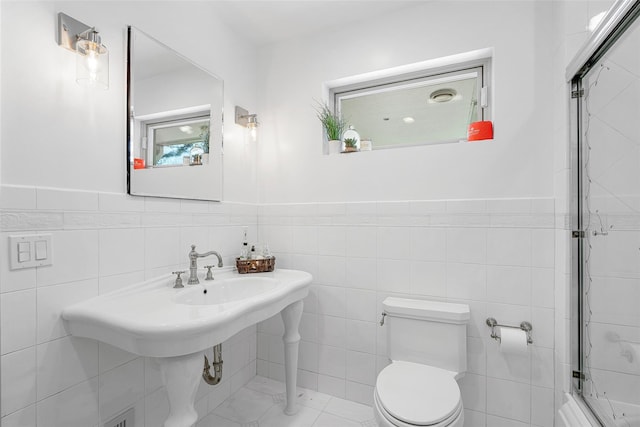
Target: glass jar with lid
350, 140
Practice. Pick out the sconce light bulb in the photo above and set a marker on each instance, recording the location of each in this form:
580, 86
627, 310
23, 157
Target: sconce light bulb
92, 64
92, 61
254, 133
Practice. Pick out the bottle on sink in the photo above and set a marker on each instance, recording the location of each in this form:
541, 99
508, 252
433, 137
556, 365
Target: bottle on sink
244, 249
255, 252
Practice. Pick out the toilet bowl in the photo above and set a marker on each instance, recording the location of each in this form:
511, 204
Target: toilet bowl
410, 394
427, 346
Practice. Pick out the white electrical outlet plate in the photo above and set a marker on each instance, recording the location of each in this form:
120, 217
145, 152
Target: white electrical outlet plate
30, 250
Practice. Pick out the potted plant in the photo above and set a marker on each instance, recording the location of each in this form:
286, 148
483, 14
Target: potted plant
350, 145
333, 125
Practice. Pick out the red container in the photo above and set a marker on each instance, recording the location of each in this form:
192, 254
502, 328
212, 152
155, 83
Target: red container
479, 131
138, 163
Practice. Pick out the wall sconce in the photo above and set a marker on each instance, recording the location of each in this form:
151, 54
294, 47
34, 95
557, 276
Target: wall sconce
250, 121
92, 60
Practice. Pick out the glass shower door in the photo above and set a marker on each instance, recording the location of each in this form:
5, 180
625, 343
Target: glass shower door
609, 204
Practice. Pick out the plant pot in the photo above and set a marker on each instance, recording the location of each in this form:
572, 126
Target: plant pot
350, 150
335, 146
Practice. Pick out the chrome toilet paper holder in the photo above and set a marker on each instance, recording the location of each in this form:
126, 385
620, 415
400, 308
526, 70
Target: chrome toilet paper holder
525, 326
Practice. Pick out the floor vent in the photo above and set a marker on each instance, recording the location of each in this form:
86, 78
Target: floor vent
123, 420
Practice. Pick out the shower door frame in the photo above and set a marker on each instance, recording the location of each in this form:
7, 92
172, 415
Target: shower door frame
620, 17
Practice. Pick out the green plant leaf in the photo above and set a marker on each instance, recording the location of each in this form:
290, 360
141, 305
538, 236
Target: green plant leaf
332, 123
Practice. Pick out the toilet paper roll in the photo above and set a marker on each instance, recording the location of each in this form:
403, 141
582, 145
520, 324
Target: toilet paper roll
513, 341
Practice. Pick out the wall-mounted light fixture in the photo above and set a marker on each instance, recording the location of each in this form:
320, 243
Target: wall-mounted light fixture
250, 121
92, 60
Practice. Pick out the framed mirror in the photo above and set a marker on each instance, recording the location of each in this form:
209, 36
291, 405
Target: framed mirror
174, 123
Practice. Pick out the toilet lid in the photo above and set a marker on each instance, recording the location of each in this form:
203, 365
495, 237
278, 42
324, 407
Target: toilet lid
418, 394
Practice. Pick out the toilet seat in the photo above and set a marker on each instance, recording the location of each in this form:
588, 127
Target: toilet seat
385, 419
412, 394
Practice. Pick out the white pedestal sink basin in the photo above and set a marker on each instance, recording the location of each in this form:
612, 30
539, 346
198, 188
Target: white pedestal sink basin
227, 290
175, 326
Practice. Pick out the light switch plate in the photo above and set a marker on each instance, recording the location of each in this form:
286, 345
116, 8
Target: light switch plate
20, 244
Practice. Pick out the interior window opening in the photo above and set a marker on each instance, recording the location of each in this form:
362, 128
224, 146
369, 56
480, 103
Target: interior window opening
432, 106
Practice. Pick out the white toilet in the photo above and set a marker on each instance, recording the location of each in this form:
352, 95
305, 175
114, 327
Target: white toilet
427, 345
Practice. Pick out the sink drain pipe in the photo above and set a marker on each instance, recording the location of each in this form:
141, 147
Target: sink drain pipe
217, 366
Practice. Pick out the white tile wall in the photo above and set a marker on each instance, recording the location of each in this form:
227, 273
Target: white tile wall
121, 251
51, 300
332, 385
508, 399
18, 380
475, 418
75, 257
18, 311
500, 263
509, 285
354, 264
63, 363
120, 387
76, 406
102, 242
474, 392
541, 400
23, 417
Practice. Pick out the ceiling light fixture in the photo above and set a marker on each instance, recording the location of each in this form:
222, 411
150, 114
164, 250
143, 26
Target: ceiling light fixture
408, 120
92, 60
442, 95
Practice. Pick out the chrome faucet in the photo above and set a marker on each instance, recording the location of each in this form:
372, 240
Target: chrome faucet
193, 264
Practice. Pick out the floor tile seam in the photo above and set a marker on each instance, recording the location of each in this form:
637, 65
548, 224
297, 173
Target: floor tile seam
235, 420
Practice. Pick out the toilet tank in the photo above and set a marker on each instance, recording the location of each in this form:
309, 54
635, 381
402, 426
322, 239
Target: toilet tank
428, 332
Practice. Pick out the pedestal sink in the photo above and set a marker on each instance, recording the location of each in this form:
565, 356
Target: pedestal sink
175, 326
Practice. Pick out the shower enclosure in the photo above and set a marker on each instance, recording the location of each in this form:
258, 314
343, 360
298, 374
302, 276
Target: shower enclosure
606, 208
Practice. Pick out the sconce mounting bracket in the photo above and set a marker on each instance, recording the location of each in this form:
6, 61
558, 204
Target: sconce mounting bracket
242, 116
68, 31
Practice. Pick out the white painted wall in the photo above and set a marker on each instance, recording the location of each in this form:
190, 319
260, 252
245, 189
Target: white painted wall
61, 135
174, 90
518, 163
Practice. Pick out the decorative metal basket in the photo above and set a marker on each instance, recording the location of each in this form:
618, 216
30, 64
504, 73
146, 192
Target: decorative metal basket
255, 265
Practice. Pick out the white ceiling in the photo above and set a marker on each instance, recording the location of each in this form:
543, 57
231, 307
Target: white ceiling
267, 21
379, 116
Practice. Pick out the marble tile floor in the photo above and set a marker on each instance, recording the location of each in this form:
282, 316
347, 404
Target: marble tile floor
260, 404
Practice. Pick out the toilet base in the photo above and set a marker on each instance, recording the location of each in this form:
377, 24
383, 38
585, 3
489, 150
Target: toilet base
383, 418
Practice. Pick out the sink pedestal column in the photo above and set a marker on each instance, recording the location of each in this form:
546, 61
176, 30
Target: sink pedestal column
291, 317
181, 374
181, 377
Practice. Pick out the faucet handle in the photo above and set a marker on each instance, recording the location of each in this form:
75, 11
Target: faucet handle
209, 273
178, 284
